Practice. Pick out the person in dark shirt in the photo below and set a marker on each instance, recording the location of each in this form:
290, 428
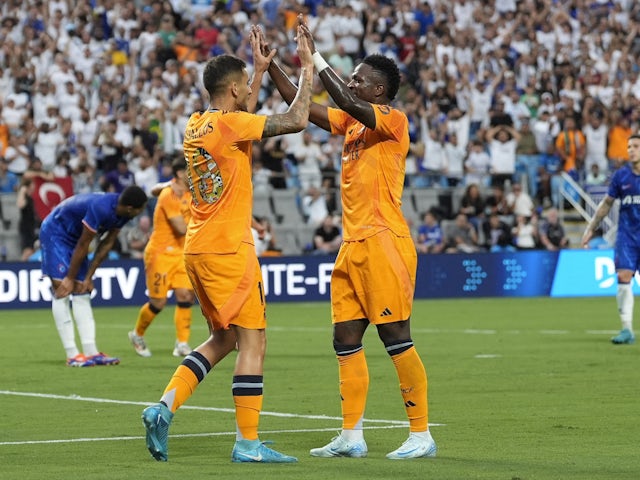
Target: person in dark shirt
327, 237
119, 179
552, 234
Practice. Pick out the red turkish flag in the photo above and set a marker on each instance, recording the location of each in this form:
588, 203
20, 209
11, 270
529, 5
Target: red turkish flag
49, 194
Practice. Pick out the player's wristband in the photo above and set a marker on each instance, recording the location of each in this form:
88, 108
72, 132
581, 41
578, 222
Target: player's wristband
319, 62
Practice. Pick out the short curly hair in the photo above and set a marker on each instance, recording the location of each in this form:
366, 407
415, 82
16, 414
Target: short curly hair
388, 69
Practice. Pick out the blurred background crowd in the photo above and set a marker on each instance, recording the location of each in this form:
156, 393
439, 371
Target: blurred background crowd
501, 96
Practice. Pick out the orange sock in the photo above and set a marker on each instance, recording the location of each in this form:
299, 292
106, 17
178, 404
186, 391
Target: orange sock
145, 317
247, 397
182, 320
413, 385
185, 379
354, 385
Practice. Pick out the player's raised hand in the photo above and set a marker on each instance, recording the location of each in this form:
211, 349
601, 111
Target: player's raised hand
265, 48
304, 49
304, 30
262, 54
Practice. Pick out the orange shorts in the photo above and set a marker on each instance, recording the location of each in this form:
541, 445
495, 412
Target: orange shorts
375, 279
229, 287
164, 272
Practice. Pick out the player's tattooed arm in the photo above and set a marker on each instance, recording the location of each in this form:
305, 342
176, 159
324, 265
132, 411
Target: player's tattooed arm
296, 117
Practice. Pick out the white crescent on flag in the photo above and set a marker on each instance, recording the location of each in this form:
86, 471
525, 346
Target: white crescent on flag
49, 194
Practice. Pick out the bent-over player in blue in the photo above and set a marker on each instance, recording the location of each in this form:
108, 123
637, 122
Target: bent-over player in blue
65, 237
625, 186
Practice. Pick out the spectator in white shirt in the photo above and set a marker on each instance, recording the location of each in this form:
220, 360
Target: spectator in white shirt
503, 141
434, 158
477, 165
309, 156
519, 202
47, 144
349, 29
12, 116
596, 134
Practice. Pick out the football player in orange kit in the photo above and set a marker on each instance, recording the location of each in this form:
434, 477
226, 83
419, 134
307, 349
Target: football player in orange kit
164, 264
373, 280
220, 256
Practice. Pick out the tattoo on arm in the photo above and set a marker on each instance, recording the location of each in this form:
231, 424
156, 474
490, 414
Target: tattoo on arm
296, 117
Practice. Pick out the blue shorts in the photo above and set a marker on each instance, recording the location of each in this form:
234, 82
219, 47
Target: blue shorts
626, 257
57, 253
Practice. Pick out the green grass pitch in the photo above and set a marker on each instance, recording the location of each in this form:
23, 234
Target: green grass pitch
518, 389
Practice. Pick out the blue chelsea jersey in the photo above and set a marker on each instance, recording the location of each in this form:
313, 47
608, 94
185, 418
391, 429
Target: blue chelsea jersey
625, 186
95, 210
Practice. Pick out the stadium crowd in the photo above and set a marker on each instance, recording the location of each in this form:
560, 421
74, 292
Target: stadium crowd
497, 92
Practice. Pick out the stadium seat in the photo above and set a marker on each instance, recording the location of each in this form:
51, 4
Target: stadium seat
286, 208
289, 239
408, 207
456, 199
10, 238
447, 228
262, 205
425, 199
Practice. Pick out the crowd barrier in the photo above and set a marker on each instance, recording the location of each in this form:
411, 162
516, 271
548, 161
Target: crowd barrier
568, 273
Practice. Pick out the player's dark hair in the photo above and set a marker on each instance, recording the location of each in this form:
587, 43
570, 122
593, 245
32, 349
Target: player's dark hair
388, 69
178, 164
218, 70
635, 135
133, 196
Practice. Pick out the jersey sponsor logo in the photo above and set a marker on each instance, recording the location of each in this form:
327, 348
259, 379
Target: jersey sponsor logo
351, 150
631, 199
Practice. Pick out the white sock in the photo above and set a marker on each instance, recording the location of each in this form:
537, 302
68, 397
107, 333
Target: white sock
426, 435
168, 398
353, 435
83, 315
624, 298
64, 324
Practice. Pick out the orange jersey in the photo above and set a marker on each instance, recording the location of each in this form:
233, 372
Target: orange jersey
570, 143
618, 139
217, 148
163, 238
373, 166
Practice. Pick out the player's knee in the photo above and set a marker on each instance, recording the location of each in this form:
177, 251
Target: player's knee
156, 308
397, 347
344, 350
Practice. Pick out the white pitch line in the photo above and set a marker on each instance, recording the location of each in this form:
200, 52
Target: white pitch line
186, 407
390, 423
188, 435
